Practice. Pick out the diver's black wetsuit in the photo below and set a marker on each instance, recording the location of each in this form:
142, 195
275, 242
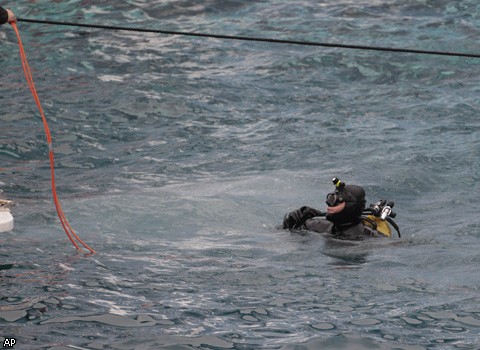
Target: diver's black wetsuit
355, 232
310, 219
3, 15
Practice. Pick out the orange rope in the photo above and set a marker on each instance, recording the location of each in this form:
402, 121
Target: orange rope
61, 215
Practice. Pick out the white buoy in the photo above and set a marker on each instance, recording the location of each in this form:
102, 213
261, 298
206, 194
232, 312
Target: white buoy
6, 220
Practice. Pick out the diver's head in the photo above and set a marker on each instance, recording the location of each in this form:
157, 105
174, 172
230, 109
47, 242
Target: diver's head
346, 204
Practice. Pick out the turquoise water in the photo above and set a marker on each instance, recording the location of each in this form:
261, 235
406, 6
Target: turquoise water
178, 157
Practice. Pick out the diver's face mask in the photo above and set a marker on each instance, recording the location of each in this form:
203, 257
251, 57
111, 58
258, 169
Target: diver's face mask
337, 197
333, 199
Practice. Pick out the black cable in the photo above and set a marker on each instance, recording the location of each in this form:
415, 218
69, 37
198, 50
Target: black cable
255, 39
395, 226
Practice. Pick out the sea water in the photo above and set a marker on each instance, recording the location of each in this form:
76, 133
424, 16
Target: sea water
177, 157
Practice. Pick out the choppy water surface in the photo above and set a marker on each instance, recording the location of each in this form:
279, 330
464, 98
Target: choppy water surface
178, 157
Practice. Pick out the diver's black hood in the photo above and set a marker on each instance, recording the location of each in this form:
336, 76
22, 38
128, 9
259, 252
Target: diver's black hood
354, 206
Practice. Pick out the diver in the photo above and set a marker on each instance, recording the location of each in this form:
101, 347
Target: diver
346, 216
6, 15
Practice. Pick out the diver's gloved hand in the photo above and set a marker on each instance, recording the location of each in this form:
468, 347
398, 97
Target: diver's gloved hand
297, 218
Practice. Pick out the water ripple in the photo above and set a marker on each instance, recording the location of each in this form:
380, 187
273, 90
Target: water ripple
177, 157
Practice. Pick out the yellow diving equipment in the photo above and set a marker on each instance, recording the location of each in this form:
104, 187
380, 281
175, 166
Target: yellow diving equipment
382, 226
